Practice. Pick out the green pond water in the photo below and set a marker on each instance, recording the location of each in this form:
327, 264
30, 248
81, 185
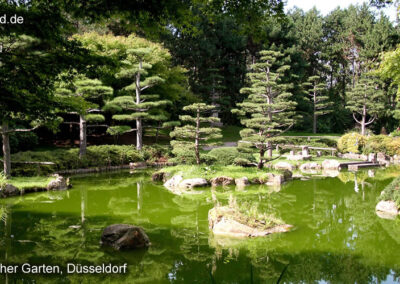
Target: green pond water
337, 237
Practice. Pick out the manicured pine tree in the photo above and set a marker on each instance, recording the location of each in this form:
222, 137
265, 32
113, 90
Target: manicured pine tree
268, 110
320, 102
136, 107
193, 137
83, 95
366, 101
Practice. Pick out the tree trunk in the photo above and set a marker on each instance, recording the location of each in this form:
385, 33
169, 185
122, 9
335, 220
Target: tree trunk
82, 136
157, 132
363, 125
6, 150
363, 121
139, 127
315, 114
261, 162
269, 149
139, 134
315, 123
196, 142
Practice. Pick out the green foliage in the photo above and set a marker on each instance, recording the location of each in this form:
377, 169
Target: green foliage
356, 143
211, 171
78, 93
352, 142
389, 68
190, 138
118, 130
268, 109
246, 213
95, 118
22, 141
392, 192
393, 146
320, 102
395, 133
3, 180
140, 66
31, 182
365, 99
229, 156
183, 153
156, 152
377, 143
97, 156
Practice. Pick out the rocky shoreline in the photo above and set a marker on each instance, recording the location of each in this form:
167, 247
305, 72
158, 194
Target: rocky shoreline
57, 184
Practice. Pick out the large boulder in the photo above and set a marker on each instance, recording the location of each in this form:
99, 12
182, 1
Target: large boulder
387, 209
284, 166
241, 182
138, 165
124, 237
193, 182
174, 181
310, 166
9, 190
278, 179
223, 180
59, 183
331, 165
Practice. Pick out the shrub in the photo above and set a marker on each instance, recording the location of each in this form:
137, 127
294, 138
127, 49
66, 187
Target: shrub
241, 162
184, 155
96, 156
155, 152
227, 155
352, 142
395, 133
392, 192
377, 143
393, 146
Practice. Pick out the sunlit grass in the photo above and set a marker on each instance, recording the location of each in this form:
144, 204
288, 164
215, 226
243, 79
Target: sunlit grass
30, 182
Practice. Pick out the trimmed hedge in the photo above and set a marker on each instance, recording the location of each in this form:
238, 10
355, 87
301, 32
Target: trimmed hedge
96, 156
352, 142
356, 143
228, 155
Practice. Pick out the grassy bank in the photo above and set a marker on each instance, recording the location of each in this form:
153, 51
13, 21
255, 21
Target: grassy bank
392, 192
26, 182
30, 182
209, 172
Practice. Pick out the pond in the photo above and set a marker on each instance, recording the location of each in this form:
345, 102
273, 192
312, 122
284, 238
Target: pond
337, 236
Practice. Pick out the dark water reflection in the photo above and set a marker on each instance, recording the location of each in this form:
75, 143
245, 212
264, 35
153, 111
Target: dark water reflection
337, 236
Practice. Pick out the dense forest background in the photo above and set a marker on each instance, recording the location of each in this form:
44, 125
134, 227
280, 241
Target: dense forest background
204, 49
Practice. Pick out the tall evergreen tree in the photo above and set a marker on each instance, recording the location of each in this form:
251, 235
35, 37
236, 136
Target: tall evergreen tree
136, 106
83, 96
319, 101
192, 137
268, 110
365, 100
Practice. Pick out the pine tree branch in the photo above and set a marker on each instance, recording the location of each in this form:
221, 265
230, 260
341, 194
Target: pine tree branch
354, 116
19, 130
371, 120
